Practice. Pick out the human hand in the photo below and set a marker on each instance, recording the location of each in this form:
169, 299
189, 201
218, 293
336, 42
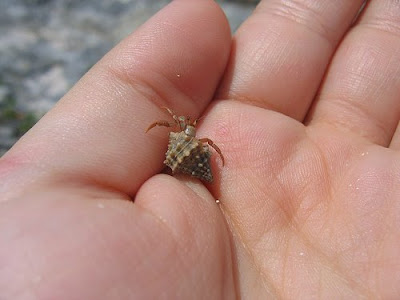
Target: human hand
309, 193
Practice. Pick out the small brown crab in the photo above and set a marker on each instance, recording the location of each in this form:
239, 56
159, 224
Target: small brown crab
187, 154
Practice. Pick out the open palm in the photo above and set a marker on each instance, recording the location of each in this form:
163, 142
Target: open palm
305, 113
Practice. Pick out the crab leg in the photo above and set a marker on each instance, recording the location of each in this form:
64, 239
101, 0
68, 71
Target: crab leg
216, 148
160, 123
173, 115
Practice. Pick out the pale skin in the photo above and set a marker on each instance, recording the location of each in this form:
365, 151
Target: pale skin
305, 112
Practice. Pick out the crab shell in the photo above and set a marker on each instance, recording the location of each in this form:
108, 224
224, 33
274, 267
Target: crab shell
186, 154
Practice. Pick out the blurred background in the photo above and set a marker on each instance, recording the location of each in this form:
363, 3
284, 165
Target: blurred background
47, 45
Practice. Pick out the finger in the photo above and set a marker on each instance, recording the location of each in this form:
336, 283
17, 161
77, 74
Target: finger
77, 249
395, 142
361, 91
281, 52
96, 133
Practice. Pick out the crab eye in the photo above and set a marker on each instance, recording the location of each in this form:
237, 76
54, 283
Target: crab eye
181, 119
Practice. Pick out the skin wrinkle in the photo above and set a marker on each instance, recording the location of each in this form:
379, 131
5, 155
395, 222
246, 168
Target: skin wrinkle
381, 84
57, 273
375, 274
177, 238
164, 227
319, 290
392, 262
284, 266
351, 230
287, 163
264, 50
234, 226
367, 264
253, 100
363, 288
307, 216
335, 268
251, 61
354, 245
155, 95
324, 163
363, 30
289, 214
239, 132
225, 262
382, 25
32, 289
104, 242
340, 279
229, 267
324, 260
104, 188
261, 101
161, 224
233, 252
361, 112
99, 190
299, 13
394, 142
191, 225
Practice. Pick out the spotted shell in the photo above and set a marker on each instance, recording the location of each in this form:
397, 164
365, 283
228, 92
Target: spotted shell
188, 155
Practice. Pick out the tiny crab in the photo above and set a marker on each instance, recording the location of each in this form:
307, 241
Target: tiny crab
187, 154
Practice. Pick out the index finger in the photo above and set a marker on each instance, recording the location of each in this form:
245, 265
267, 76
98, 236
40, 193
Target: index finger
96, 132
